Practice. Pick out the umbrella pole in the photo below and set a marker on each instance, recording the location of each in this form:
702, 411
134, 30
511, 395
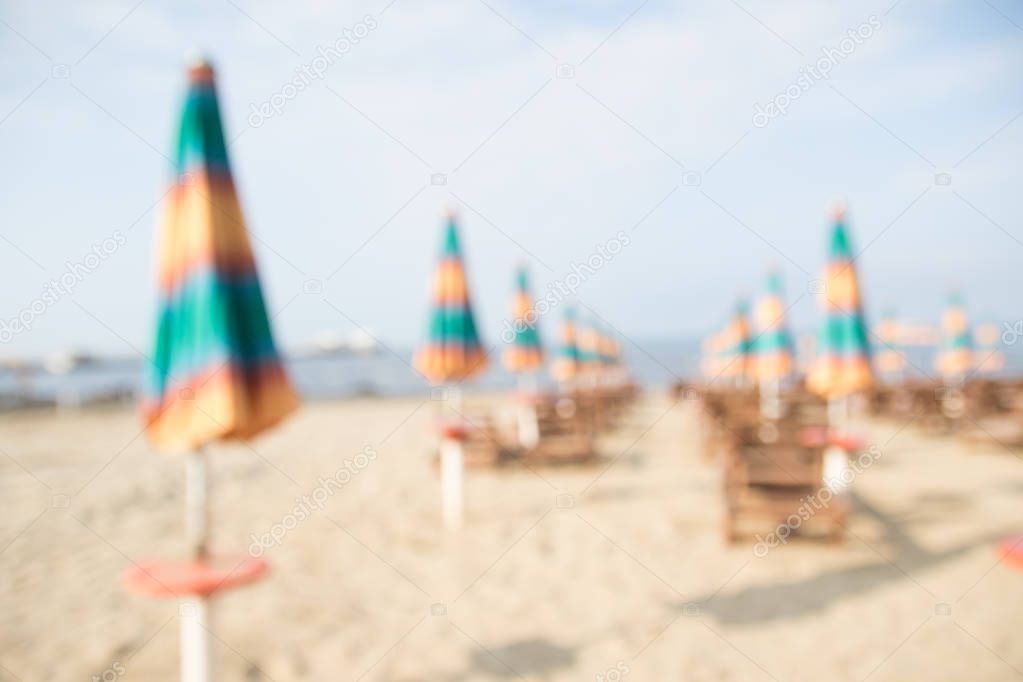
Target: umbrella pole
770, 398
529, 431
452, 467
196, 659
838, 413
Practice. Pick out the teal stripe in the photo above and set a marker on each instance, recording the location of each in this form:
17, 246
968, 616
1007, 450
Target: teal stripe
210, 321
774, 341
450, 326
200, 144
843, 335
957, 342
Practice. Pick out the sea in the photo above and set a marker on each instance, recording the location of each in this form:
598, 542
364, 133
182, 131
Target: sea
386, 371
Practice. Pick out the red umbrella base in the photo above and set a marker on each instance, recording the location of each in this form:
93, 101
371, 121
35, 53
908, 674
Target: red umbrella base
200, 578
453, 430
819, 436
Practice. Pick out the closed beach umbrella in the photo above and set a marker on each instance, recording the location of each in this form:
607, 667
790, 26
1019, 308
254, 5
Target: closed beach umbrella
842, 364
524, 353
773, 348
712, 353
452, 351
215, 372
451, 354
889, 357
589, 349
955, 357
989, 356
567, 363
736, 361
524, 356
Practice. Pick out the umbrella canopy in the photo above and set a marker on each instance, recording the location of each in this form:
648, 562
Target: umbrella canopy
453, 351
524, 354
773, 348
735, 360
889, 357
567, 362
590, 358
842, 364
711, 351
989, 356
955, 357
215, 372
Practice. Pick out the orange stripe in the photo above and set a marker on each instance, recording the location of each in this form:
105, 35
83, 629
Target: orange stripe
449, 363
220, 404
203, 226
449, 285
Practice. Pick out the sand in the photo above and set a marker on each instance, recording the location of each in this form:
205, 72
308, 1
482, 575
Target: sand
610, 572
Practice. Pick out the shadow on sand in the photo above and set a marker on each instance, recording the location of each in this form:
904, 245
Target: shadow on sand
765, 603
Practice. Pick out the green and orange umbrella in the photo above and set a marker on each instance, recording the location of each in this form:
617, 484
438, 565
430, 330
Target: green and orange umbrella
773, 347
452, 351
734, 346
842, 364
712, 353
990, 359
955, 356
215, 371
524, 353
889, 357
567, 363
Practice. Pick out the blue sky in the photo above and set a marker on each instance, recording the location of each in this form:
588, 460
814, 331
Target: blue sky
652, 135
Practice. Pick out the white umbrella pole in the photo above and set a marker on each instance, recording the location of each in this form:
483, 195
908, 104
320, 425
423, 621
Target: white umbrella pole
452, 468
529, 429
770, 398
838, 413
196, 655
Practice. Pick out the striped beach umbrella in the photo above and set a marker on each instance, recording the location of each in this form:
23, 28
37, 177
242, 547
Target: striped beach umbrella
734, 356
524, 353
453, 351
990, 359
590, 358
215, 371
773, 348
889, 356
711, 350
842, 364
567, 363
955, 356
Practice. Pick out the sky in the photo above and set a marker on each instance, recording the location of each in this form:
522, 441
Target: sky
551, 128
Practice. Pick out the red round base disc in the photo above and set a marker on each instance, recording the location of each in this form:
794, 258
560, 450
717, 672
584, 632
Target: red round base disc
453, 430
1011, 551
200, 578
847, 441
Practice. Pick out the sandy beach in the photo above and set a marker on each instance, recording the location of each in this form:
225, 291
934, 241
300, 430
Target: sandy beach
614, 571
